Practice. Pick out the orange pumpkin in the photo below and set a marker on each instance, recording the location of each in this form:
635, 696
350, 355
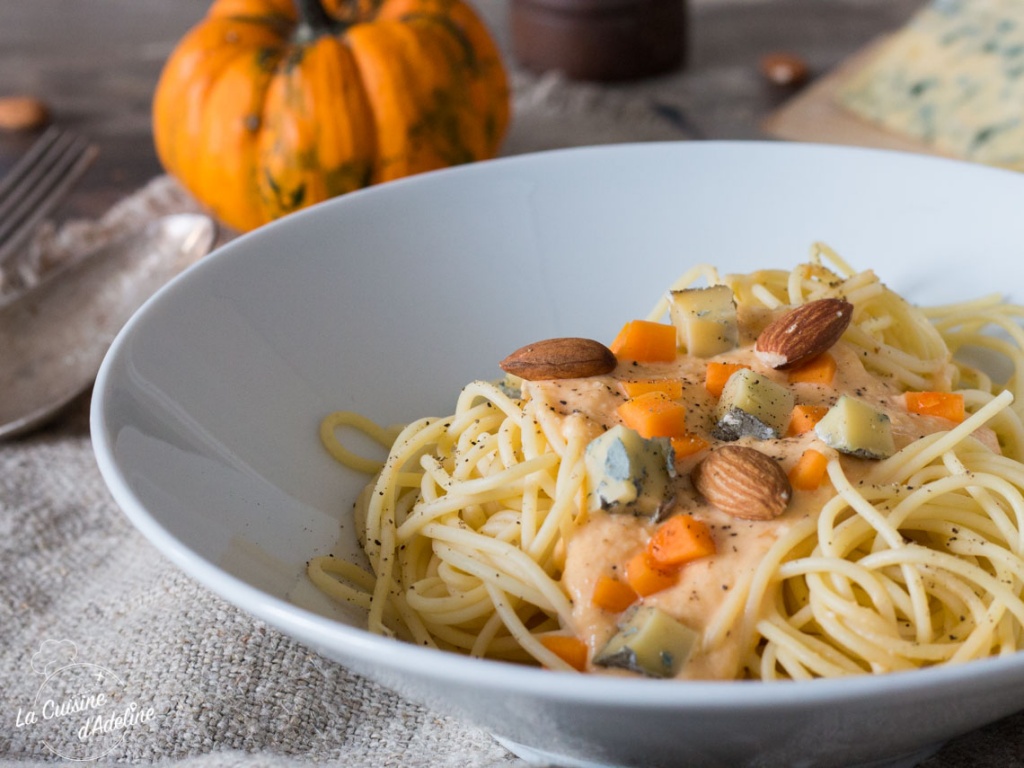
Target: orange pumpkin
267, 106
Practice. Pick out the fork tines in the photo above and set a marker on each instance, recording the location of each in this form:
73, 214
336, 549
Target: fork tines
37, 182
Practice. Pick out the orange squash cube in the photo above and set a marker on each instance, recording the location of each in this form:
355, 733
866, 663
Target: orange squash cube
671, 388
654, 415
679, 540
645, 578
645, 342
804, 417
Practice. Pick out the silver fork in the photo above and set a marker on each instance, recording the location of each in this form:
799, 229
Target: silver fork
38, 182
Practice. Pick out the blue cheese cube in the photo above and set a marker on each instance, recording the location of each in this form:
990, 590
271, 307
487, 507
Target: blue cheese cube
628, 473
853, 427
705, 320
752, 405
649, 642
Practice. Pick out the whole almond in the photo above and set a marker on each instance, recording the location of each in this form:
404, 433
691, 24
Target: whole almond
743, 482
22, 113
785, 69
566, 358
804, 332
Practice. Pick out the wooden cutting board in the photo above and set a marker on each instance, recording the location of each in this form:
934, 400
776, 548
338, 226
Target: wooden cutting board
813, 115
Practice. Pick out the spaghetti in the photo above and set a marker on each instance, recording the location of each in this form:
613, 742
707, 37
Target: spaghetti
479, 539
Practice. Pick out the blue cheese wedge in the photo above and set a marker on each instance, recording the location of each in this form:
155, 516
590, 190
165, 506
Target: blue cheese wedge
649, 642
752, 405
853, 427
952, 78
628, 473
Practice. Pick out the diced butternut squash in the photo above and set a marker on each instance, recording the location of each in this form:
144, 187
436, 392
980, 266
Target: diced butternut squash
645, 578
809, 471
818, 370
687, 445
571, 650
717, 374
679, 540
804, 417
654, 415
947, 405
671, 388
613, 595
645, 342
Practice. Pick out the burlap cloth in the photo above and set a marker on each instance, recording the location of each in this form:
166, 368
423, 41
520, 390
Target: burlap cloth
79, 584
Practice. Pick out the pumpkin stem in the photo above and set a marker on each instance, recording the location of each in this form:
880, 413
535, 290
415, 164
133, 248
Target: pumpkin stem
314, 21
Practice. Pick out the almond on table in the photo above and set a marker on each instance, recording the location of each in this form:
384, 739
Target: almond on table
22, 113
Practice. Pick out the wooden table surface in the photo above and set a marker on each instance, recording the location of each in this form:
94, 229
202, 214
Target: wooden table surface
95, 63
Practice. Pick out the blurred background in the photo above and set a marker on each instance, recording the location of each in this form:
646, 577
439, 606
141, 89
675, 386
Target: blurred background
94, 65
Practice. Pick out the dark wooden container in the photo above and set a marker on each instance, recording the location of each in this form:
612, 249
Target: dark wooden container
600, 39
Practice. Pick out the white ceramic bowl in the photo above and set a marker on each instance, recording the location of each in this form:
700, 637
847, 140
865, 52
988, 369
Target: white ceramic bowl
387, 301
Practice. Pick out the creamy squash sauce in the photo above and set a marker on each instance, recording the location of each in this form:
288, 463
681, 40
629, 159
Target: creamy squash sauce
607, 540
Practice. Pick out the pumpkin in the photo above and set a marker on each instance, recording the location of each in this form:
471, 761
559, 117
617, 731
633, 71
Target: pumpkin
268, 106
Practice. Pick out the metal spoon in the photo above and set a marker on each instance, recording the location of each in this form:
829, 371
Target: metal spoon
53, 337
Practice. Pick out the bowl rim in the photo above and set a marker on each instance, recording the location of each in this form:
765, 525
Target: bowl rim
511, 678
